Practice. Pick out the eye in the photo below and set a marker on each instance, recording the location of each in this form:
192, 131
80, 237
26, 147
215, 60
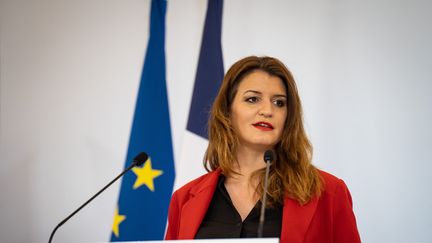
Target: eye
252, 99
279, 102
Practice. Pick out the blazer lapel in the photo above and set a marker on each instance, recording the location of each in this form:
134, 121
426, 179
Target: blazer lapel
296, 219
194, 210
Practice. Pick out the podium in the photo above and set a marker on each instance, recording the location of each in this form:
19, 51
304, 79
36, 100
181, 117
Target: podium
243, 240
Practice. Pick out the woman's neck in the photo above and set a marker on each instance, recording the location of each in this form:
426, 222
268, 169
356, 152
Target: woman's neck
249, 160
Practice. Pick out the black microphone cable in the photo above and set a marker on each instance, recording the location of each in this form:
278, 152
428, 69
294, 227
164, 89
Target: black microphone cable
138, 161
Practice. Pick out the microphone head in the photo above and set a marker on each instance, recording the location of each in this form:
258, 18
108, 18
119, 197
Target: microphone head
140, 159
268, 156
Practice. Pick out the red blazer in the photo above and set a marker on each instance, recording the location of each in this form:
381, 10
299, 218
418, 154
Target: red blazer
325, 219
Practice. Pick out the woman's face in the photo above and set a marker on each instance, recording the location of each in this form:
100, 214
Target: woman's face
259, 111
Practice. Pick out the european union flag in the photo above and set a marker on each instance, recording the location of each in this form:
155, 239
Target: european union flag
146, 191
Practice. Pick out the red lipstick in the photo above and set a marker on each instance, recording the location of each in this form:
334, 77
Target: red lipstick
264, 126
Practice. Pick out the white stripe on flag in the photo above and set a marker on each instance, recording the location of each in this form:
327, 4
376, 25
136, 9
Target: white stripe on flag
190, 164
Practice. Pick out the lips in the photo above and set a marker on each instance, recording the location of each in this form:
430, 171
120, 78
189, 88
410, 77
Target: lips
264, 126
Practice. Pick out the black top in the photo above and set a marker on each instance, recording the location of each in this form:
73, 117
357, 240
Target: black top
223, 221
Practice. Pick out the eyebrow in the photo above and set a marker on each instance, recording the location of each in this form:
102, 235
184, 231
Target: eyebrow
253, 91
257, 92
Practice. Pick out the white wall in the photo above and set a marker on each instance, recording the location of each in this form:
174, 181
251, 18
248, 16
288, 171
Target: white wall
70, 72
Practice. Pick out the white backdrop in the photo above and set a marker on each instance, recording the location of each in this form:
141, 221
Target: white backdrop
70, 72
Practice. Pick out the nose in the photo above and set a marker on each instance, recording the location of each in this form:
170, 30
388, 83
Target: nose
266, 109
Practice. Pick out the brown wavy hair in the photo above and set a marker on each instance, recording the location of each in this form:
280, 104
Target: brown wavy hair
292, 172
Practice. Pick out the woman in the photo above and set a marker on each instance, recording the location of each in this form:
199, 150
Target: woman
258, 108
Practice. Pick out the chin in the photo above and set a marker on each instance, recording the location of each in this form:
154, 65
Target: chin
260, 143
264, 145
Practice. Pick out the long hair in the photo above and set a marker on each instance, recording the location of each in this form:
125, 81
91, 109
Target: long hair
292, 172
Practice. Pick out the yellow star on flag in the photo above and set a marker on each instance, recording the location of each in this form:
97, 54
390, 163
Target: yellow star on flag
145, 175
117, 220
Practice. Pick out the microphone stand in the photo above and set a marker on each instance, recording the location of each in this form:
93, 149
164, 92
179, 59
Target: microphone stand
264, 200
135, 162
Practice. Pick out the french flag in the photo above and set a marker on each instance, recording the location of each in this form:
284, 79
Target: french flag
209, 75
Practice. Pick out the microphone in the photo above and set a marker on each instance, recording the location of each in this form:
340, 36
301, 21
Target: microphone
137, 161
268, 159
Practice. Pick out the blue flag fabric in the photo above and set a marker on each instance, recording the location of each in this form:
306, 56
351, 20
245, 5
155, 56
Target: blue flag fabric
146, 191
210, 70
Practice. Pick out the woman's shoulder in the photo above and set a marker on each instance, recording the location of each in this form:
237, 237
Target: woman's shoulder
327, 177
335, 200
197, 184
331, 182
335, 189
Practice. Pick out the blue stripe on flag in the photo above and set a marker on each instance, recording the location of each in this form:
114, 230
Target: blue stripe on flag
210, 70
145, 192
